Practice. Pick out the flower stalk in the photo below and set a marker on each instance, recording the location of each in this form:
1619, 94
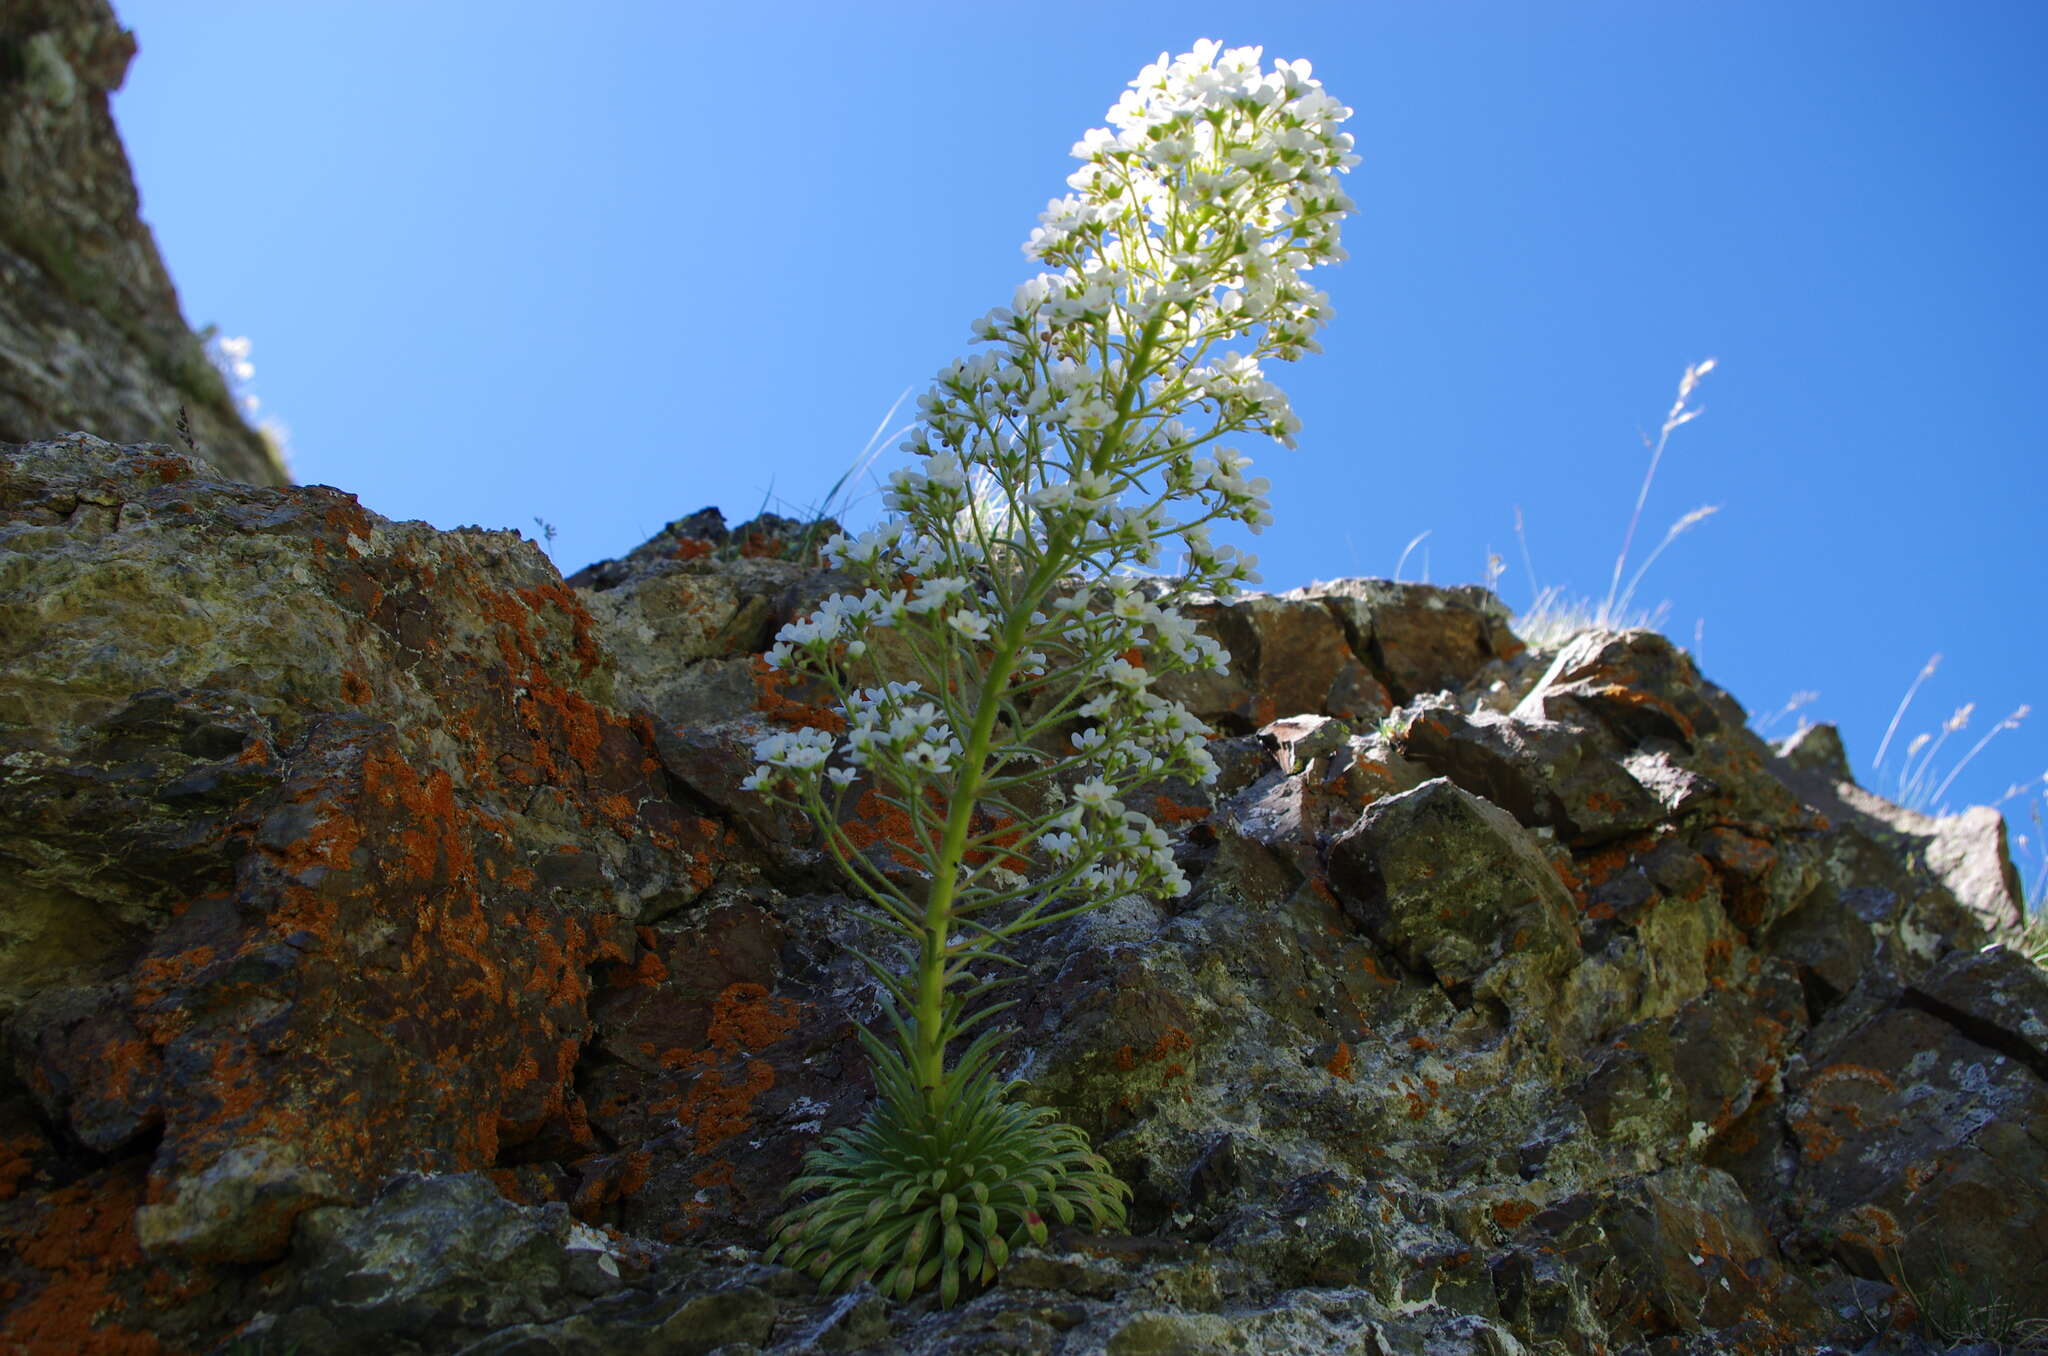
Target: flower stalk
995, 674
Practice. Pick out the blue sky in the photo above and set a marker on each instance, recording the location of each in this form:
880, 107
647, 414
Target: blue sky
609, 264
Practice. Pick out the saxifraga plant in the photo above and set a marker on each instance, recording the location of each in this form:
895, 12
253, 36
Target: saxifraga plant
1055, 464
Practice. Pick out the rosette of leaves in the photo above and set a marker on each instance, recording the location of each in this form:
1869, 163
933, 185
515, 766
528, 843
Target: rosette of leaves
1029, 617
918, 1193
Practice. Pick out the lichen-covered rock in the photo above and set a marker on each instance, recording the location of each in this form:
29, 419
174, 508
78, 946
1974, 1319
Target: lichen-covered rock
389, 912
314, 829
1288, 656
1418, 638
1461, 893
91, 334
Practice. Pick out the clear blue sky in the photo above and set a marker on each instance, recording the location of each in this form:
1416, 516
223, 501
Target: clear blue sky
608, 264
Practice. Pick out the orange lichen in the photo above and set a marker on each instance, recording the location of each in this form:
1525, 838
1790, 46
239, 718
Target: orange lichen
1632, 696
691, 548
156, 976
618, 812
1379, 976
17, 1160
82, 1238
1340, 1063
1861, 1072
718, 1105
648, 972
1918, 1175
1819, 1141
744, 1017
1510, 1214
582, 626
329, 842
355, 689
714, 1110
770, 701
1874, 1227
1171, 812
876, 821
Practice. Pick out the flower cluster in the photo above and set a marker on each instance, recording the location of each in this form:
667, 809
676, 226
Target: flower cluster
996, 670
1193, 218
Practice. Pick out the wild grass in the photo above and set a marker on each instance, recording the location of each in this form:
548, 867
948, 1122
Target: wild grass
1913, 782
1554, 615
828, 513
2030, 856
1922, 780
1947, 1308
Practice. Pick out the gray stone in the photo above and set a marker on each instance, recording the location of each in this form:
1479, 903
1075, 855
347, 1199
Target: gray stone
91, 333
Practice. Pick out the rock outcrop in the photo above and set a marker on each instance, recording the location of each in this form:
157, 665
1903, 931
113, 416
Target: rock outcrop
91, 334
390, 956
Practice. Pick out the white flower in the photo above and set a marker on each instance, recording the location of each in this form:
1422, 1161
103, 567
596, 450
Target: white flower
1174, 280
1094, 793
970, 624
1125, 674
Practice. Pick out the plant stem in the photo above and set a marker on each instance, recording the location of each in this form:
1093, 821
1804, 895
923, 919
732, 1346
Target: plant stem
928, 1026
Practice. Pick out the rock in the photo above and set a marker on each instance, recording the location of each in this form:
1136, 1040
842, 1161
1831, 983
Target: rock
1917, 1132
1817, 749
1288, 655
1418, 638
91, 334
390, 859
435, 1263
1509, 935
1964, 856
1635, 684
392, 946
1546, 774
1682, 1253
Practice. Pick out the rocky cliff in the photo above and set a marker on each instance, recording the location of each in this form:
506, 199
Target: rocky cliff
391, 961
91, 335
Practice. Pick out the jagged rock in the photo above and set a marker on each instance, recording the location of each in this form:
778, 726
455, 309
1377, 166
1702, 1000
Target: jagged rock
443, 1264
1964, 854
1546, 774
1418, 638
1288, 656
91, 334
1459, 891
1817, 749
318, 803
350, 851
1914, 1122
686, 614
1677, 1254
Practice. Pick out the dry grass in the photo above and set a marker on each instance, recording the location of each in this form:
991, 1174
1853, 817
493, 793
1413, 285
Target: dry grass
1554, 616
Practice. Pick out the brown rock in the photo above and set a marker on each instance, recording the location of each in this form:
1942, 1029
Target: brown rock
1419, 638
390, 862
1458, 890
91, 334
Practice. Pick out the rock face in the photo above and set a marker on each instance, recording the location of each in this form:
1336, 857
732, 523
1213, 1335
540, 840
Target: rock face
388, 955
91, 335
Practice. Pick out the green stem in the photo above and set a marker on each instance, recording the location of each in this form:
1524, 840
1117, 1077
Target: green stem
930, 1031
928, 1060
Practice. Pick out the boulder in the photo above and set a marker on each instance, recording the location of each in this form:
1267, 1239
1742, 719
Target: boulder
394, 951
91, 333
